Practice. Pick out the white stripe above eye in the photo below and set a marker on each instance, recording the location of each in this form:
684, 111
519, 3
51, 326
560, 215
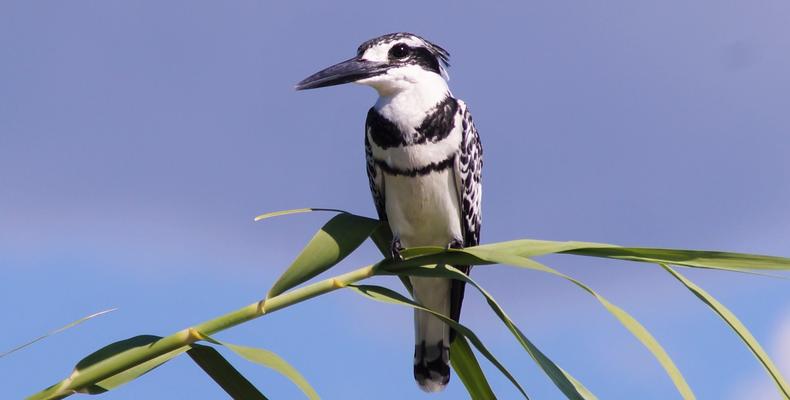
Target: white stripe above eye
380, 52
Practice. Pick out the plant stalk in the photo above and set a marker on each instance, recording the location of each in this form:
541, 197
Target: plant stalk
81, 379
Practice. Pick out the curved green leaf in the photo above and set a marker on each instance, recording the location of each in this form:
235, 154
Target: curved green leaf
465, 364
385, 295
336, 240
295, 211
689, 258
629, 322
56, 331
127, 346
271, 360
739, 329
132, 373
222, 372
533, 248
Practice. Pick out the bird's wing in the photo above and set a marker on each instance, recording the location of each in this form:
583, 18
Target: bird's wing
467, 169
375, 176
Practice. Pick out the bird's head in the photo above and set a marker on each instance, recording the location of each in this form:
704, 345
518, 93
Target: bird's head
389, 63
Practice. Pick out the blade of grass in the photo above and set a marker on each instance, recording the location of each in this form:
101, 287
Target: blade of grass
738, 327
736, 262
629, 322
270, 360
330, 245
385, 295
533, 248
468, 369
690, 258
223, 373
107, 359
119, 348
295, 211
132, 373
567, 384
56, 331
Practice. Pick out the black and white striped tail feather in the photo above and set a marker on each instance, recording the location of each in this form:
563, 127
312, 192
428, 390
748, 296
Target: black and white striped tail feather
432, 358
432, 365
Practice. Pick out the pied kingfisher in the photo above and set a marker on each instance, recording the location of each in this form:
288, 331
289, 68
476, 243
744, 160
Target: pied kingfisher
424, 160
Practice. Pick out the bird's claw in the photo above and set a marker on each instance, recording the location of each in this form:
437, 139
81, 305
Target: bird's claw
395, 249
455, 244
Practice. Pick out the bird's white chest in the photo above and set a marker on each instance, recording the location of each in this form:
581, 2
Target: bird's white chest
423, 210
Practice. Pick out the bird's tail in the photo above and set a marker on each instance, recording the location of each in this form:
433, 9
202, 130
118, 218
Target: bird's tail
432, 335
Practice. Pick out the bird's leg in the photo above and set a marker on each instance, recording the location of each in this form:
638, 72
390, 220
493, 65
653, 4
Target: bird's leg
395, 249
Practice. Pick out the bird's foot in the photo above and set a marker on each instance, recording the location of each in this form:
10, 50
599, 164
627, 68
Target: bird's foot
455, 244
395, 249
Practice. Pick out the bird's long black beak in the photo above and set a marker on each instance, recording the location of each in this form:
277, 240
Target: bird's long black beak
347, 71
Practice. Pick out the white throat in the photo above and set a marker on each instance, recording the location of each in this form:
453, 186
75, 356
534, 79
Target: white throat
407, 94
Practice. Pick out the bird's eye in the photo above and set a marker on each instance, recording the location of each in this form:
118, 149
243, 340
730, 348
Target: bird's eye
400, 51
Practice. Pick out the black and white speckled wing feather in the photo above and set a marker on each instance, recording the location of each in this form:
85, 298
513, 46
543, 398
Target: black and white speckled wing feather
375, 177
468, 167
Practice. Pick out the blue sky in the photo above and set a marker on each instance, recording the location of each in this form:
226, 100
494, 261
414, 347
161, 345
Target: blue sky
139, 139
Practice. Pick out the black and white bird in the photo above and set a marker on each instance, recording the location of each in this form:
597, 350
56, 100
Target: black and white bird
424, 160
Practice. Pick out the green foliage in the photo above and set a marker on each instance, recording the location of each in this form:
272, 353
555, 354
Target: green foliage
330, 245
222, 372
736, 326
122, 348
629, 322
124, 361
468, 370
268, 359
56, 331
